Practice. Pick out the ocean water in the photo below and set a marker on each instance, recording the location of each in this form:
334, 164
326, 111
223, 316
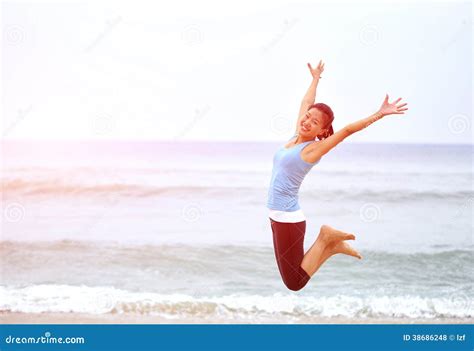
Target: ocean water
181, 230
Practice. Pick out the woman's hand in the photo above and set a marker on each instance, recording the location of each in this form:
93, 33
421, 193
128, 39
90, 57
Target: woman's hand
392, 108
316, 72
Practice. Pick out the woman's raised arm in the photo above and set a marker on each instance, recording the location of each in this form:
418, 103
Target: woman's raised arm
310, 96
319, 149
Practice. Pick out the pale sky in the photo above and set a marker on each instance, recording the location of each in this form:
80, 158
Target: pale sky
233, 70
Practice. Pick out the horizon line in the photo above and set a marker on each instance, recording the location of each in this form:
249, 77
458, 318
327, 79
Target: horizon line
181, 141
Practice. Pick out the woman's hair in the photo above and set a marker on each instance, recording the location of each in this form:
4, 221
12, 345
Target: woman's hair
328, 116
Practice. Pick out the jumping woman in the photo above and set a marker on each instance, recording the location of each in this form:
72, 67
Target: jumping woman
291, 163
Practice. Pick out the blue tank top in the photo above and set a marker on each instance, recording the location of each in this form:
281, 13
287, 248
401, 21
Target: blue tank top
289, 170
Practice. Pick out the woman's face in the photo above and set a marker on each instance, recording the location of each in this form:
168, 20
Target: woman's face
312, 123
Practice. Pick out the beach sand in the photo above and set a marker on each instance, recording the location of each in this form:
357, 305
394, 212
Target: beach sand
130, 318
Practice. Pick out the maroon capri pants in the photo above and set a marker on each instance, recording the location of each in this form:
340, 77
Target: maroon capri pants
288, 242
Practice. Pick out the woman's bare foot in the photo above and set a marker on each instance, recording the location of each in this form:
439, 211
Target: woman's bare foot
330, 235
329, 242
342, 247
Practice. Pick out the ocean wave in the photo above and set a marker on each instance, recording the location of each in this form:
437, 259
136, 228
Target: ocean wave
223, 169
252, 268
434, 252
55, 187
393, 195
109, 300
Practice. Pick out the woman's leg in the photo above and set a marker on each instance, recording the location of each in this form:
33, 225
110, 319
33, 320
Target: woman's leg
329, 242
288, 242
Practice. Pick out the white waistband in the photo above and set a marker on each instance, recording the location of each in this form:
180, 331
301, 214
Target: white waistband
287, 217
